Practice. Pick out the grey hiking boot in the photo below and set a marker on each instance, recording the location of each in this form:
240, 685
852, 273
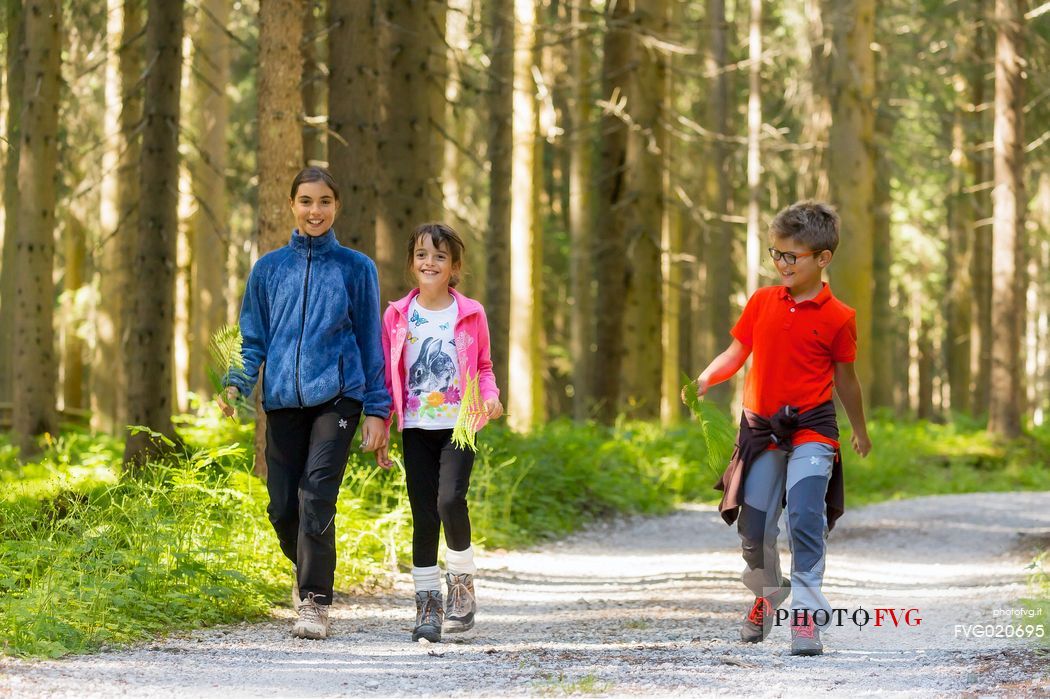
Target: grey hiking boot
313, 618
805, 639
296, 599
461, 603
429, 614
759, 620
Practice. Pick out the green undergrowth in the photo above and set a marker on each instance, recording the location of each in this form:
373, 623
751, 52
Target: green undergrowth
911, 459
91, 559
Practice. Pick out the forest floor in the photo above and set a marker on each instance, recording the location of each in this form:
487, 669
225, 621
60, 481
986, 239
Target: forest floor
641, 606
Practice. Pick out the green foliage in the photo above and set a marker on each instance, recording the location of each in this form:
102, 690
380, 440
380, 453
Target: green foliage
717, 429
471, 408
909, 459
563, 475
1039, 601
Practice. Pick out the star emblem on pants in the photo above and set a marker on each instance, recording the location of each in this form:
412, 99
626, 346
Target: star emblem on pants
342, 424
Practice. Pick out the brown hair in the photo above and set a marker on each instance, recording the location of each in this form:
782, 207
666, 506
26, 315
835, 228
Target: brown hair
314, 174
443, 237
812, 223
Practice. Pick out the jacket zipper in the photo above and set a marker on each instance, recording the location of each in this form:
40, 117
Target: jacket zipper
302, 327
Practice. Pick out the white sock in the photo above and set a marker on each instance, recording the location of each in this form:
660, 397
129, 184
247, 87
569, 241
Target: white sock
460, 562
428, 578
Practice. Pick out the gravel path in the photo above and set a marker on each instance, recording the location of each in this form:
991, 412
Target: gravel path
640, 606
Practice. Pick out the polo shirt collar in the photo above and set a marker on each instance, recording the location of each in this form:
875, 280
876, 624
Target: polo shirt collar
822, 297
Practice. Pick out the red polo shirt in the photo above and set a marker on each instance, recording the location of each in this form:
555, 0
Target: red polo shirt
794, 348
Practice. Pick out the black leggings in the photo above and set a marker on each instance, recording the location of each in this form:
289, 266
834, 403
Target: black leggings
306, 452
438, 475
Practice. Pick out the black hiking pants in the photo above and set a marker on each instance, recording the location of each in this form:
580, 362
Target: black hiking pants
306, 453
437, 474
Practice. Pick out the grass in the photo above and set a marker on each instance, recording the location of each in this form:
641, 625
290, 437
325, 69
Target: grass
910, 459
89, 559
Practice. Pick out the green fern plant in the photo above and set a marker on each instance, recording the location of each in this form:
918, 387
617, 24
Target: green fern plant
471, 410
715, 427
225, 349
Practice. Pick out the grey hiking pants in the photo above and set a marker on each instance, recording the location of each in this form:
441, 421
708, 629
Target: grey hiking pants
804, 478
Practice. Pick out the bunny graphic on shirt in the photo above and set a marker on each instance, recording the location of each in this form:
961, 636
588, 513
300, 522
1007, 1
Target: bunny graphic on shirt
432, 371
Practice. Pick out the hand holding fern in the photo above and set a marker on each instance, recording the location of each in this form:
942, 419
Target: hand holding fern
226, 402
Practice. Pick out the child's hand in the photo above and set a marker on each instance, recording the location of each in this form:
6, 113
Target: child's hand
226, 402
374, 434
383, 459
493, 408
701, 388
861, 444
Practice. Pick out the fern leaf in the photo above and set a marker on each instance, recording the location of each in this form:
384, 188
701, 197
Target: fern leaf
471, 408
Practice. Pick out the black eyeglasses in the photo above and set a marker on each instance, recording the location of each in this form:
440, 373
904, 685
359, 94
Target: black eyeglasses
790, 257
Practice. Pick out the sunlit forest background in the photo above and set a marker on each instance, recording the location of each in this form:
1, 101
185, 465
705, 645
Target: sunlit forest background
613, 167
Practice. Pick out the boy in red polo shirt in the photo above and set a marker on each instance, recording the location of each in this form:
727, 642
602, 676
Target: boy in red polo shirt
803, 342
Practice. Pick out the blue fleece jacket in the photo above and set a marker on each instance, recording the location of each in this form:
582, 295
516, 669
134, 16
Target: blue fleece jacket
311, 312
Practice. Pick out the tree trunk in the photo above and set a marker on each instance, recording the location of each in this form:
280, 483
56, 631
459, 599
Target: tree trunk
883, 321
436, 124
960, 234
754, 156
352, 114
75, 242
34, 363
924, 406
280, 144
580, 217
1039, 317
812, 178
210, 239
150, 303
851, 166
524, 371
610, 246
315, 82
1008, 312
719, 254
453, 189
15, 67
119, 206
643, 313
404, 151
981, 262
500, 147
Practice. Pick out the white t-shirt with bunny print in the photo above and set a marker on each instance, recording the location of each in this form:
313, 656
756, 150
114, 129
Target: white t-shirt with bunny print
433, 392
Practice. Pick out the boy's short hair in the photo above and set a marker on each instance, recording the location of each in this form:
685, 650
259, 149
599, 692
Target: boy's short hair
812, 223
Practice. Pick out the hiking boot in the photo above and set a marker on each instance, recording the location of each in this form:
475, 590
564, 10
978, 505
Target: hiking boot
296, 599
759, 620
429, 614
313, 618
805, 639
460, 604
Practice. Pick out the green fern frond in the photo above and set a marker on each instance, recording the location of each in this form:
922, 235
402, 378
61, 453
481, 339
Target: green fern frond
225, 350
471, 409
715, 428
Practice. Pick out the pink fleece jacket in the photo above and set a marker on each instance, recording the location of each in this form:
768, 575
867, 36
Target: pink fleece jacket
472, 348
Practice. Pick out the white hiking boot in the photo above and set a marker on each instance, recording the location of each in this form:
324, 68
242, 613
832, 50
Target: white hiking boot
313, 618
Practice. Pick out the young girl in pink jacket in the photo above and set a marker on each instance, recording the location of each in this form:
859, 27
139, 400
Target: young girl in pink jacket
436, 344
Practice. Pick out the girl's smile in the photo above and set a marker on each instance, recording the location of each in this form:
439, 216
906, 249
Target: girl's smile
433, 266
315, 208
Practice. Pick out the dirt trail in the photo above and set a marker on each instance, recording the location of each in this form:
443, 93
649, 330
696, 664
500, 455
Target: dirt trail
641, 606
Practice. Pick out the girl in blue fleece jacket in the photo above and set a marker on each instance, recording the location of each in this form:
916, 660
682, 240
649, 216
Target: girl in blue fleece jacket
310, 318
